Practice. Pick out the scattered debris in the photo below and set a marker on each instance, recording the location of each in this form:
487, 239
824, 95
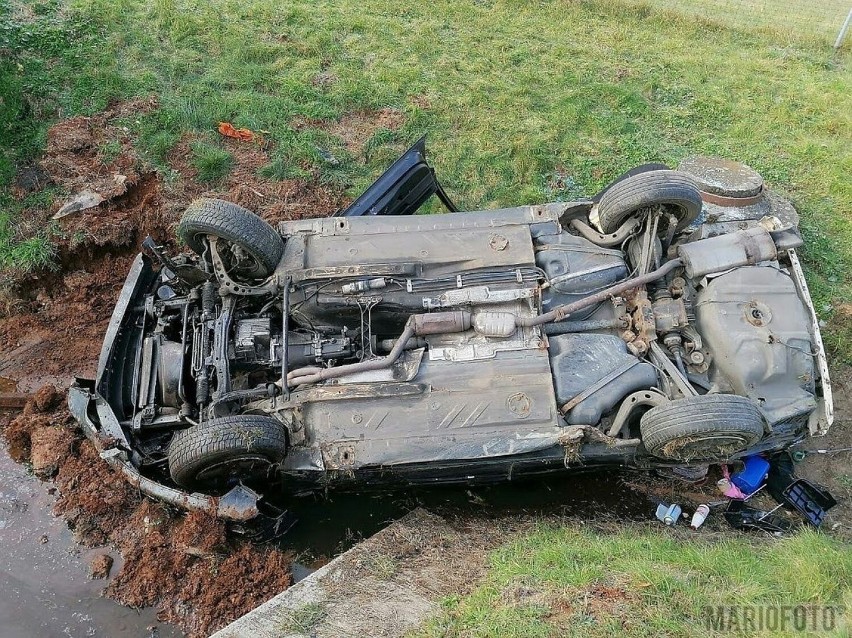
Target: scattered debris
801, 455
810, 500
753, 474
742, 516
101, 566
701, 514
730, 490
669, 514
81, 201
243, 134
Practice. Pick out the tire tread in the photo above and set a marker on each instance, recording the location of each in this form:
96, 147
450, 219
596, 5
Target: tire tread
234, 223
649, 189
698, 415
192, 448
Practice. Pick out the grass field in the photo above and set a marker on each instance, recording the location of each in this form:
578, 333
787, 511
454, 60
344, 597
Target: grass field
522, 102
820, 20
636, 582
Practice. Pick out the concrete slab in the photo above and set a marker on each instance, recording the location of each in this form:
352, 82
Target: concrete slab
385, 586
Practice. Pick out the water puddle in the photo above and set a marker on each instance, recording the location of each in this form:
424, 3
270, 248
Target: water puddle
328, 525
44, 574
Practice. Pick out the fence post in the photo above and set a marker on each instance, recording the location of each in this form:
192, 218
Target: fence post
843, 29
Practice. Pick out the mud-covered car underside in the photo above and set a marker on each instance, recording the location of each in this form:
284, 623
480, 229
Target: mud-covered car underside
664, 322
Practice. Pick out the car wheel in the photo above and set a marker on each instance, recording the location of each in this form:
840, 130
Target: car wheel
250, 248
671, 189
702, 428
219, 453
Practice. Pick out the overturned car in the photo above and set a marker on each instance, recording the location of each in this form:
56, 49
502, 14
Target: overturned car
664, 322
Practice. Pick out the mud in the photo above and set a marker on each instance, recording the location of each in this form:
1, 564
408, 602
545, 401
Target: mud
183, 565
101, 566
51, 329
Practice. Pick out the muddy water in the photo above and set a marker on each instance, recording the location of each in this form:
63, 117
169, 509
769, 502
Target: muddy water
45, 588
330, 524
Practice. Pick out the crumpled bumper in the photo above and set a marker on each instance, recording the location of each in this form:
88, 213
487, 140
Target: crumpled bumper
239, 505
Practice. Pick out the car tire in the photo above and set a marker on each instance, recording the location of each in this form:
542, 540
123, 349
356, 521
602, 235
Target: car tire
236, 225
702, 428
676, 191
217, 454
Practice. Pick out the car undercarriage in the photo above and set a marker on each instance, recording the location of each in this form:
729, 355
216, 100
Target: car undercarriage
664, 322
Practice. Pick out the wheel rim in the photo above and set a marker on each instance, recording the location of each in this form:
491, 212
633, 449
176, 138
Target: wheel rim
232, 470
240, 264
243, 264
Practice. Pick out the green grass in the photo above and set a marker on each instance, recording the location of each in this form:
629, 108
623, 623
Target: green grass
820, 20
523, 102
53, 62
211, 162
568, 581
303, 619
36, 250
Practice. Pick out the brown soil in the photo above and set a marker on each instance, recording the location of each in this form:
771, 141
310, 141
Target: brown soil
273, 200
356, 129
834, 470
208, 580
49, 448
101, 566
184, 564
51, 331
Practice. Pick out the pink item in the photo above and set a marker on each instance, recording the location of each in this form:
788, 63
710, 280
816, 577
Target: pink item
730, 490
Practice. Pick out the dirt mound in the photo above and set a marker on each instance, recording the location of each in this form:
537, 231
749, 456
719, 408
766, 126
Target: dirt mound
101, 566
49, 447
47, 399
185, 565
58, 317
208, 581
18, 435
60, 321
274, 200
213, 592
109, 195
93, 498
95, 153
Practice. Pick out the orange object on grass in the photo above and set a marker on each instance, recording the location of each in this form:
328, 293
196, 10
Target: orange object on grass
227, 129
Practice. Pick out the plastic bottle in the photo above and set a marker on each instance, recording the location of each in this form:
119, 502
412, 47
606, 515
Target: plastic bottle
701, 513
